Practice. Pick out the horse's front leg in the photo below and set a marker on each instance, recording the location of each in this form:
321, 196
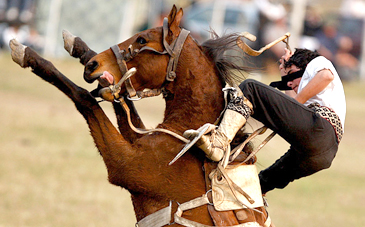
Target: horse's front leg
114, 149
77, 48
26, 57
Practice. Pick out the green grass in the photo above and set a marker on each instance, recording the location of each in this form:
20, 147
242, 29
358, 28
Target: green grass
52, 175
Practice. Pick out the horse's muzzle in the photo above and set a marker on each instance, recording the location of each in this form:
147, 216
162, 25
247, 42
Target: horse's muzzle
90, 67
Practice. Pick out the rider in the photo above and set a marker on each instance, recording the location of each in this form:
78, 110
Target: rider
311, 119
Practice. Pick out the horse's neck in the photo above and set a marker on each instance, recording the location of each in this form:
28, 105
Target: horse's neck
198, 96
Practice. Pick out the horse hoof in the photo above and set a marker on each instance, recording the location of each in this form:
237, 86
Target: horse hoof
68, 40
17, 52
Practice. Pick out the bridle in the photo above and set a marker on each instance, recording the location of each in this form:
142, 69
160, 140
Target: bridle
173, 50
123, 56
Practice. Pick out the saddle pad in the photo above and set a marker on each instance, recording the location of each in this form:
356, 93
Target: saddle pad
226, 197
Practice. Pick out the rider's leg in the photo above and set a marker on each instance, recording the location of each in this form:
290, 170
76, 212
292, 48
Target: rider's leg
312, 138
215, 144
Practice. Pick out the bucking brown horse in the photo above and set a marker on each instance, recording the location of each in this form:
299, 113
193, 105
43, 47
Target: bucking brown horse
191, 78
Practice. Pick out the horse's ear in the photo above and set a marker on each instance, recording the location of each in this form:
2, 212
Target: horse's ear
174, 20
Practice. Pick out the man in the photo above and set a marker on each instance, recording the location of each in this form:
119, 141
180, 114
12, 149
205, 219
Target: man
310, 117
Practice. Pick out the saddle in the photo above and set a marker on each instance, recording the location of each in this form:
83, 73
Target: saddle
230, 209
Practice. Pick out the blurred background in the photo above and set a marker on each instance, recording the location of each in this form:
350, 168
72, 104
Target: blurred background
335, 28
51, 173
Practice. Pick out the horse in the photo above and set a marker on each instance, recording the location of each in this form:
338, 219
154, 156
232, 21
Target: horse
191, 82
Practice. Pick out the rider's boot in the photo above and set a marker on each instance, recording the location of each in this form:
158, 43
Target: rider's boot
216, 143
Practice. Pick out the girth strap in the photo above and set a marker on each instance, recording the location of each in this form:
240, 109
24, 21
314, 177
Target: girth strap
157, 219
152, 219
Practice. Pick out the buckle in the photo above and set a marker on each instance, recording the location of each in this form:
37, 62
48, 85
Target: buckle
133, 99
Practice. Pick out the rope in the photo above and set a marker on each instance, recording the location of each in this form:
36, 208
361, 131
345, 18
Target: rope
147, 131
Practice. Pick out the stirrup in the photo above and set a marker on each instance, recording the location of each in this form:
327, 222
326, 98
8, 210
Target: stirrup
202, 131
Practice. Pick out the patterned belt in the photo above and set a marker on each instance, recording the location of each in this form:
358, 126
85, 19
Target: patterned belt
330, 116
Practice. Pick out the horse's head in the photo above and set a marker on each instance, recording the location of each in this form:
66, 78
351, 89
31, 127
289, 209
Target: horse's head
149, 52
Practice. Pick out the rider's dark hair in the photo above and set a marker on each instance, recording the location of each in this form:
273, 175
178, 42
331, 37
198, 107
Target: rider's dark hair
301, 58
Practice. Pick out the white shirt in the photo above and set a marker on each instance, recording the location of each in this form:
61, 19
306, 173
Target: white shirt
333, 96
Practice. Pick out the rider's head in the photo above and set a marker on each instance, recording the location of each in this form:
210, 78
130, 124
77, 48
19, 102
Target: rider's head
301, 58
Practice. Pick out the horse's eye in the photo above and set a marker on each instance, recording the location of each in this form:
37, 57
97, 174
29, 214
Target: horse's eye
141, 40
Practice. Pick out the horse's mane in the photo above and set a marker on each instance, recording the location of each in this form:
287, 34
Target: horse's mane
231, 63
229, 59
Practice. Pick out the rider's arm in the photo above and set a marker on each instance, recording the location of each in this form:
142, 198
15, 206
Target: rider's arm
319, 82
290, 93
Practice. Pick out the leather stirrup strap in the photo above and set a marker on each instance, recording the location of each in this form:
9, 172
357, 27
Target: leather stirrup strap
220, 218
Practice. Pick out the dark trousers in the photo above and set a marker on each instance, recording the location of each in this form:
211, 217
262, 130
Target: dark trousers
312, 138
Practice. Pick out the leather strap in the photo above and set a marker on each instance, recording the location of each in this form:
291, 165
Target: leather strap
147, 131
120, 59
220, 218
200, 201
234, 187
157, 219
174, 50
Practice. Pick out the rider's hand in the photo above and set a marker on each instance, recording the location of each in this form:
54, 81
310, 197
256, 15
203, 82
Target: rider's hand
282, 60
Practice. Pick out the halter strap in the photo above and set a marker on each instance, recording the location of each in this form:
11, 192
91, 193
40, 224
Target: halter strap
120, 59
123, 69
174, 50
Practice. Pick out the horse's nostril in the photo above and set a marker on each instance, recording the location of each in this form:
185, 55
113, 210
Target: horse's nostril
91, 66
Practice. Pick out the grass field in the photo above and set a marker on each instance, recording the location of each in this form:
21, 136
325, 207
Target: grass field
52, 175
